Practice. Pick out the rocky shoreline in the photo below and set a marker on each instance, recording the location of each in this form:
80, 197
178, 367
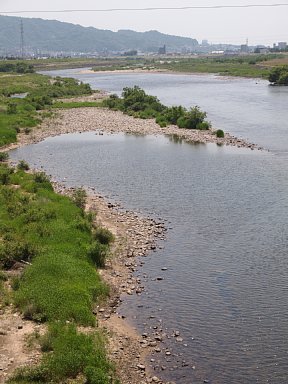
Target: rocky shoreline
135, 237
109, 121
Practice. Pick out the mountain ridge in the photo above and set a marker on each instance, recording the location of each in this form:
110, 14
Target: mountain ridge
67, 37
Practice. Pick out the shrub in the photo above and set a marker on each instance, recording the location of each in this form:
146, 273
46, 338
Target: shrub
98, 253
161, 120
79, 197
5, 175
181, 122
220, 133
23, 166
42, 181
41, 177
4, 156
204, 126
103, 235
279, 75
12, 108
13, 249
173, 113
194, 117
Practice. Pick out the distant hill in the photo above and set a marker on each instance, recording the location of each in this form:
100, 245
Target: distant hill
52, 35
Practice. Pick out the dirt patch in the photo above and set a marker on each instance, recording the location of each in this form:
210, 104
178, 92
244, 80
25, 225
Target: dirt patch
14, 343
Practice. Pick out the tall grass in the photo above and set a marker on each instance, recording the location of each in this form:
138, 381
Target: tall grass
60, 284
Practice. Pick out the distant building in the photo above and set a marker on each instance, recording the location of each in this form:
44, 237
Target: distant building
244, 48
263, 50
162, 50
282, 45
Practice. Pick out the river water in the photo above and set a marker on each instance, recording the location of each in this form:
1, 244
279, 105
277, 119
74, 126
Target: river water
226, 284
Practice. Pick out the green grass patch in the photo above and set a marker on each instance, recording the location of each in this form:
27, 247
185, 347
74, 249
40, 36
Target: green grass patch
18, 114
68, 355
51, 232
60, 284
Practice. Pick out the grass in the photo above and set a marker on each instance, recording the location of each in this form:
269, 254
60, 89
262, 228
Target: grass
60, 284
18, 114
246, 66
69, 354
50, 230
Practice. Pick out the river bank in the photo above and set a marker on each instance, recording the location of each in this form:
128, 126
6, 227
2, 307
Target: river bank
135, 237
105, 120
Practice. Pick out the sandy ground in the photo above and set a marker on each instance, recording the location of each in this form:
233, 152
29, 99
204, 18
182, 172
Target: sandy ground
134, 237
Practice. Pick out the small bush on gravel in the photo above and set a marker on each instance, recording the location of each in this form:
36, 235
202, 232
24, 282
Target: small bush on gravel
220, 133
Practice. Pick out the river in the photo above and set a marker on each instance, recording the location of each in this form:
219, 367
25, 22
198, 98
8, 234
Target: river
226, 283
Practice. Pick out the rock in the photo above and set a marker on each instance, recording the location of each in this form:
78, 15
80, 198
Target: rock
141, 367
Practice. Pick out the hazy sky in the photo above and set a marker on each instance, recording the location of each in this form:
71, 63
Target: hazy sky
259, 25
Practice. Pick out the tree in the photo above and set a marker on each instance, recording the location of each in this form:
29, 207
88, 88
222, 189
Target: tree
193, 119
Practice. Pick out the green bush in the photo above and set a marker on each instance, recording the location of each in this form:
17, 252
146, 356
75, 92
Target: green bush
79, 197
279, 75
220, 133
13, 250
203, 126
5, 175
11, 108
4, 156
22, 165
192, 118
173, 113
103, 235
98, 253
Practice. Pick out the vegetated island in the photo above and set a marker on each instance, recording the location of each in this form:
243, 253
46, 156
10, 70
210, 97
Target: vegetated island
52, 251
251, 66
